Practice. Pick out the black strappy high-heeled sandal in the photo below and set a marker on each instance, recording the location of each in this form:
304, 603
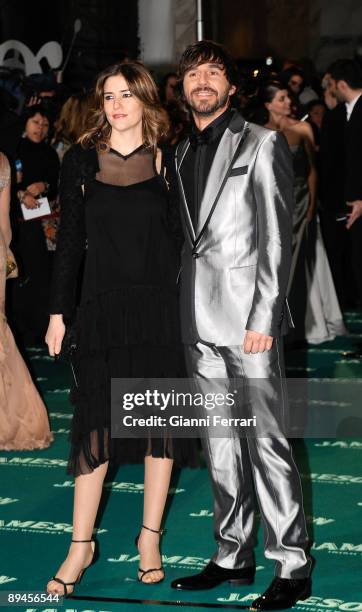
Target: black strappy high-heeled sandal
153, 569
68, 584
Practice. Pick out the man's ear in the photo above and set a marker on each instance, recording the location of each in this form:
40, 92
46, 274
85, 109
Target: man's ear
232, 90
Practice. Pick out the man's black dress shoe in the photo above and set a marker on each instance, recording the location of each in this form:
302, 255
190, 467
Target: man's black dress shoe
212, 575
283, 594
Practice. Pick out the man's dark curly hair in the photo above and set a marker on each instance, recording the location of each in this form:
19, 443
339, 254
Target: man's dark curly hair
206, 52
347, 70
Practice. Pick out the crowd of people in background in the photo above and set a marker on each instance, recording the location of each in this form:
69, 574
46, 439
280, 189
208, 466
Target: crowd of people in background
321, 118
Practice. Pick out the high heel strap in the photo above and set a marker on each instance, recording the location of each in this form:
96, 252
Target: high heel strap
160, 531
145, 572
77, 541
64, 584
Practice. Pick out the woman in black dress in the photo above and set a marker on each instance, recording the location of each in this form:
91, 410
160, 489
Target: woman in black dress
115, 200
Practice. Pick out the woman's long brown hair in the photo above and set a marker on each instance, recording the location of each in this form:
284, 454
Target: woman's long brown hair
141, 84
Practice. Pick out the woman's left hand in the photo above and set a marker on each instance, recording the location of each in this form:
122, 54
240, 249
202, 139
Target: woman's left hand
36, 189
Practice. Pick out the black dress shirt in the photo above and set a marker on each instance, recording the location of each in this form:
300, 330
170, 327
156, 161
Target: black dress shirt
198, 160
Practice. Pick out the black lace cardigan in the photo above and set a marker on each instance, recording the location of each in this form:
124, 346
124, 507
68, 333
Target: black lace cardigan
79, 167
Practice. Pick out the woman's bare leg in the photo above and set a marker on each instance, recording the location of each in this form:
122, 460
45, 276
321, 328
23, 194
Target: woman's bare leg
157, 482
87, 495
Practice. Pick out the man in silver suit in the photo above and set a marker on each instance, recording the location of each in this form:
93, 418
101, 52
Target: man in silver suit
235, 181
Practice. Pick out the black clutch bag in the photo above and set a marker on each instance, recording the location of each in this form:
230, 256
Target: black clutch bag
69, 346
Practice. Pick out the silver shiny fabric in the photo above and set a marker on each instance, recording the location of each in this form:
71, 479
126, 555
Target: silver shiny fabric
238, 466
235, 264
235, 269
319, 317
324, 319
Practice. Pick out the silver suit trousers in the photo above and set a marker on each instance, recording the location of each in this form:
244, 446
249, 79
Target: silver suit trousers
246, 469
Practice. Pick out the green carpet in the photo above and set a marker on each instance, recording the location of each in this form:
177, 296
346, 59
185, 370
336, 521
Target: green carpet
36, 512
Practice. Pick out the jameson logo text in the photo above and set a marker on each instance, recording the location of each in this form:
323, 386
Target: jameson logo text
65, 609
319, 520
33, 462
312, 604
60, 415
123, 487
202, 513
174, 560
171, 560
343, 479
39, 526
4, 501
346, 548
6, 579
353, 444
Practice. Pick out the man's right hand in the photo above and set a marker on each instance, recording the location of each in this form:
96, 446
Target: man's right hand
254, 342
55, 334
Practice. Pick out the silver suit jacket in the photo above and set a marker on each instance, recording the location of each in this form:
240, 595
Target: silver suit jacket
235, 263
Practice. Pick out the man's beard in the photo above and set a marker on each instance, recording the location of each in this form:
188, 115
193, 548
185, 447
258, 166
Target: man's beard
206, 108
339, 96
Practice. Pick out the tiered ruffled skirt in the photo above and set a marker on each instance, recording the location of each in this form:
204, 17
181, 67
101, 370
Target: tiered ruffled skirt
126, 333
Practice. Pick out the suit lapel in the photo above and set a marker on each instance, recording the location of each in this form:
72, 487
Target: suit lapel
228, 149
180, 154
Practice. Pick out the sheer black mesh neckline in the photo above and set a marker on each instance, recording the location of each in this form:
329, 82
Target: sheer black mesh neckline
124, 170
136, 150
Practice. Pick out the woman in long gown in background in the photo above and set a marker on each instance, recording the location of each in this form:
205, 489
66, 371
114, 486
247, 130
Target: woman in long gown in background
24, 421
311, 293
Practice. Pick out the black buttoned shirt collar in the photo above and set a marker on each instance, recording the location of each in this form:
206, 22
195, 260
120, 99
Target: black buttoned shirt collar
198, 160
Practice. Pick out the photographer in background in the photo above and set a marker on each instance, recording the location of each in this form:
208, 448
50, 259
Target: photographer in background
37, 175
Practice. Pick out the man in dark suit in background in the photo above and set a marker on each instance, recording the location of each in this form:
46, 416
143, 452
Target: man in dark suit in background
331, 193
345, 84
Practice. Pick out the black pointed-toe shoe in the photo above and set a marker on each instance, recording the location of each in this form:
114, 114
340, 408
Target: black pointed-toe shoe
283, 593
213, 575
